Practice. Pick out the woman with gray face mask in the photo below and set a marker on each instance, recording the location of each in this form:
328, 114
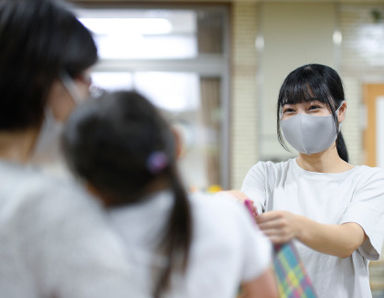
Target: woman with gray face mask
332, 210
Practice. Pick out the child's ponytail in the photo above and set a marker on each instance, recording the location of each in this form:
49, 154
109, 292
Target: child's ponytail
178, 234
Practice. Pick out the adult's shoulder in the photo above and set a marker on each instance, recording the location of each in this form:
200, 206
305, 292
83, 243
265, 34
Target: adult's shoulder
268, 172
370, 170
366, 175
32, 196
62, 235
53, 189
272, 166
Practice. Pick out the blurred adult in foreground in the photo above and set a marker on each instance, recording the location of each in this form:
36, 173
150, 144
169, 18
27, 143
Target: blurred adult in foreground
53, 239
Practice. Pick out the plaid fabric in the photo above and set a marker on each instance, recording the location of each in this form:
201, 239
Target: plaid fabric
292, 279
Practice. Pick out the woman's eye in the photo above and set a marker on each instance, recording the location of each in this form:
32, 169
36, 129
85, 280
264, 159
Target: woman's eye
288, 110
314, 107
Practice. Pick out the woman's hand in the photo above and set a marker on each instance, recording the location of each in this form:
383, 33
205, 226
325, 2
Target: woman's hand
278, 226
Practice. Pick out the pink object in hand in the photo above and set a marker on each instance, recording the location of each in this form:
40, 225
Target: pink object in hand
251, 208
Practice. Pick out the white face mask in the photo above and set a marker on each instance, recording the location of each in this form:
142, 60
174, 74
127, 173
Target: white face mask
71, 87
310, 134
47, 147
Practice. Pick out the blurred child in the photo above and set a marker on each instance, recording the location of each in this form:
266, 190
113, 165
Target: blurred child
180, 246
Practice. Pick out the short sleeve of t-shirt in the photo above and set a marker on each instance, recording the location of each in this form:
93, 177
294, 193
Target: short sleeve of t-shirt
367, 210
254, 185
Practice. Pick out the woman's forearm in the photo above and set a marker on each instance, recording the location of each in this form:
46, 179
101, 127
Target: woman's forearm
338, 240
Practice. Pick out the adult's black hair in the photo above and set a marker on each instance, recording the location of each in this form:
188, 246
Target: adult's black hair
110, 142
309, 82
39, 40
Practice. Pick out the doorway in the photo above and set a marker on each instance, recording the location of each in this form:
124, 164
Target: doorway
374, 131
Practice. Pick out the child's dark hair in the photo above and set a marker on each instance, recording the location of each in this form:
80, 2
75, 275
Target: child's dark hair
39, 40
121, 145
314, 82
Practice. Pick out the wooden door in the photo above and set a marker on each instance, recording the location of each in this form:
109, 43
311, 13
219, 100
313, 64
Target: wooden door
371, 93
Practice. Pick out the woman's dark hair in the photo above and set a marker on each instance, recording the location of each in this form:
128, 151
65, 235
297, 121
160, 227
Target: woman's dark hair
39, 40
313, 82
121, 145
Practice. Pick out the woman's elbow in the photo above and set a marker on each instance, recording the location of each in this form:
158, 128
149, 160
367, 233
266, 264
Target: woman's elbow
346, 252
353, 240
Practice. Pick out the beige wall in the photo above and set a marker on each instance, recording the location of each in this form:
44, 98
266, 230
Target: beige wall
294, 35
244, 91
354, 122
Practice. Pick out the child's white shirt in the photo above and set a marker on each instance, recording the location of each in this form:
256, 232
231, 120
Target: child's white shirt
227, 247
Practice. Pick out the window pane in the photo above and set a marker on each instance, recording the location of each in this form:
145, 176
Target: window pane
172, 92
189, 100
112, 80
192, 104
142, 34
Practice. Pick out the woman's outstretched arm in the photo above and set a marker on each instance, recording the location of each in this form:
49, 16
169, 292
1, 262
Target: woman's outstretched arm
333, 239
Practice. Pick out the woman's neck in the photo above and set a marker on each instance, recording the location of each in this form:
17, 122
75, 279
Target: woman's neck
328, 161
17, 146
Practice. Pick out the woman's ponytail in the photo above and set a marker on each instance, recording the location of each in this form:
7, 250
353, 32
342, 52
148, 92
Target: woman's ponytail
178, 234
342, 148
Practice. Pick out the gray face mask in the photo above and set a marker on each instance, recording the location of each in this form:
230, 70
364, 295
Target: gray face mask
310, 134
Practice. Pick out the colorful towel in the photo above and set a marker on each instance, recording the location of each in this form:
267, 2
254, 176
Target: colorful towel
292, 279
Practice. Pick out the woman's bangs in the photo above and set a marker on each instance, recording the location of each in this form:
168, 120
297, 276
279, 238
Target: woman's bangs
299, 92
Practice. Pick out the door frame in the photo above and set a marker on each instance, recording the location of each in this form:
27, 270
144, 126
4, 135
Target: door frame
371, 92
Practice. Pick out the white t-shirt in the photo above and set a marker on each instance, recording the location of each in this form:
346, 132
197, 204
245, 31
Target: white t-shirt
227, 248
356, 196
54, 241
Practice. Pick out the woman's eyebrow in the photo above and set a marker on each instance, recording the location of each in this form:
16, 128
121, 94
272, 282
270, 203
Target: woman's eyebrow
315, 100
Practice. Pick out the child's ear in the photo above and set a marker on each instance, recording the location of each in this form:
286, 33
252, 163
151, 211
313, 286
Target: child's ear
178, 143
